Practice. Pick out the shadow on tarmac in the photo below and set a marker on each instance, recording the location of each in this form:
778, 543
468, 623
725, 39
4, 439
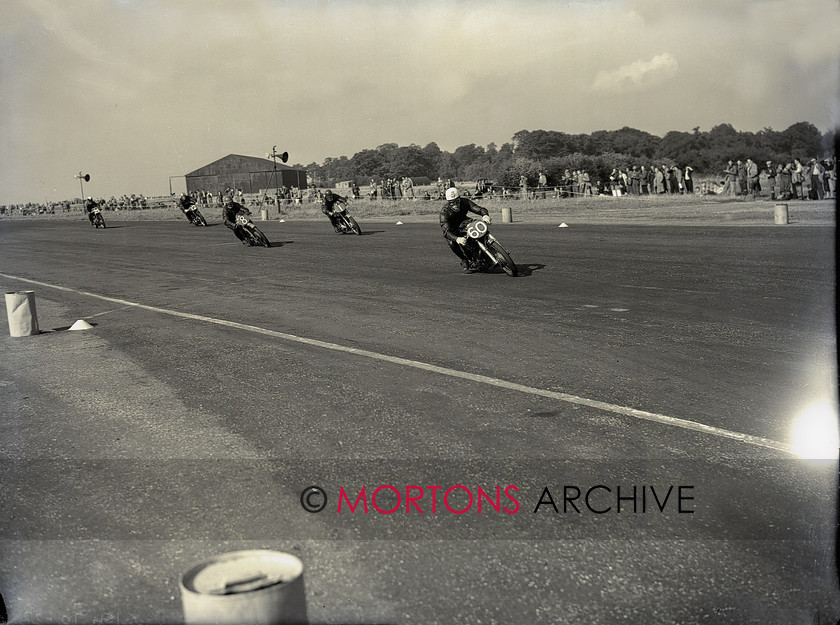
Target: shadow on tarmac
527, 269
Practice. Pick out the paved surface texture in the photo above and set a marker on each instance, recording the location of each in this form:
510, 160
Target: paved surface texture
219, 381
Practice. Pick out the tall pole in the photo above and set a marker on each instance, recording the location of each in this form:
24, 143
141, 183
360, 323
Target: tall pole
283, 157
276, 184
82, 177
170, 182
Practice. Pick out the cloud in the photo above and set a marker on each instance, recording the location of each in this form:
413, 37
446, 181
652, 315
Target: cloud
638, 75
134, 91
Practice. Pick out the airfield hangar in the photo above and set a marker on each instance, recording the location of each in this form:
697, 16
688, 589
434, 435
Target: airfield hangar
249, 173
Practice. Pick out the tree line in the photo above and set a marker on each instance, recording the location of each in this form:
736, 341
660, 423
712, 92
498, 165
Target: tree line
531, 151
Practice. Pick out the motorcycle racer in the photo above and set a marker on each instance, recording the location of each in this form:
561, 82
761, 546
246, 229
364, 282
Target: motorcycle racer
327, 204
454, 221
230, 210
90, 204
184, 203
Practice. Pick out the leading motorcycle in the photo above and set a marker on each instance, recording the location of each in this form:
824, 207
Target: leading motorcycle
485, 251
253, 235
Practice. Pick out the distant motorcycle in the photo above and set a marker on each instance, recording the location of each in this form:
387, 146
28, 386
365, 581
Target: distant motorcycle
343, 219
485, 251
253, 235
98, 220
195, 217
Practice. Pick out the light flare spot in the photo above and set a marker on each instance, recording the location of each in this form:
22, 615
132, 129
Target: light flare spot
815, 433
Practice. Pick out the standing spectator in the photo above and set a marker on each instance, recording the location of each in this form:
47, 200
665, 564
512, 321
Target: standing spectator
677, 179
783, 176
624, 181
614, 182
741, 169
543, 182
770, 171
729, 178
805, 192
796, 179
587, 183
667, 176
523, 186
659, 181
644, 181
635, 181
816, 171
408, 187
831, 178
689, 180
751, 170
566, 183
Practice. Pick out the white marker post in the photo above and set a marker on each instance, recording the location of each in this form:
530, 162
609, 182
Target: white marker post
20, 309
781, 213
256, 586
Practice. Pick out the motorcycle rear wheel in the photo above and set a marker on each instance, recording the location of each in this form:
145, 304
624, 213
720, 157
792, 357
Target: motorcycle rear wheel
503, 258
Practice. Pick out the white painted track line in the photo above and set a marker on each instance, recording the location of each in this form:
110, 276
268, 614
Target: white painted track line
454, 373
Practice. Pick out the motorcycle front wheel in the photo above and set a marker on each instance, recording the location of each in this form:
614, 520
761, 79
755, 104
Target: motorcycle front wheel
354, 226
258, 237
503, 258
199, 219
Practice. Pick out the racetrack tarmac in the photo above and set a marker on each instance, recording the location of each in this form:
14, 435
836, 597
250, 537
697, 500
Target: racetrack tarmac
220, 381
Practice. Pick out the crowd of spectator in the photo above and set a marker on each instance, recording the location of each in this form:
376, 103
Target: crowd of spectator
124, 202
793, 180
391, 189
284, 194
815, 180
798, 179
635, 180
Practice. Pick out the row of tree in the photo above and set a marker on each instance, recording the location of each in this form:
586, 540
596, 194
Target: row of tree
553, 152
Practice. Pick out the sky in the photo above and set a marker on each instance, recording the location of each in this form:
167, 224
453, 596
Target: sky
137, 93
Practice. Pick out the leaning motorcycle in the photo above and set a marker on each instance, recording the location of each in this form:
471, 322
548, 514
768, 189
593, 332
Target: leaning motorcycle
195, 217
98, 220
485, 251
343, 219
253, 235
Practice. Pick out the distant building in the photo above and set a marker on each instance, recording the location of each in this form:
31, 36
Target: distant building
249, 173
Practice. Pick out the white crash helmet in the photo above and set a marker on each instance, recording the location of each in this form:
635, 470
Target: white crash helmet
452, 194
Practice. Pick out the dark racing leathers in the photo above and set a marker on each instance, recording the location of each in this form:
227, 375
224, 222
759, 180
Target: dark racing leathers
89, 206
230, 211
184, 204
454, 221
327, 208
